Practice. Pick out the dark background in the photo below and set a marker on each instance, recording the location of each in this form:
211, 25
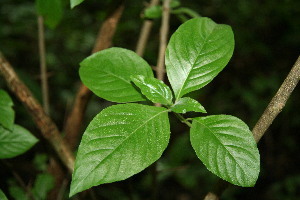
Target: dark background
267, 38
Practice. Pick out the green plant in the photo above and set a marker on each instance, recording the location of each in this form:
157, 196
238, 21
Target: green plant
124, 139
14, 139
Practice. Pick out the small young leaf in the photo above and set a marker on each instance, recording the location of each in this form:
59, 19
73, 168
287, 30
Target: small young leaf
17, 192
121, 141
51, 10
155, 90
196, 53
227, 148
7, 115
75, 3
107, 73
15, 142
187, 104
153, 12
42, 185
2, 195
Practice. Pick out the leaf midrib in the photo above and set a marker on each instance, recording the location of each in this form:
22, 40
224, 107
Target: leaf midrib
206, 39
120, 145
222, 145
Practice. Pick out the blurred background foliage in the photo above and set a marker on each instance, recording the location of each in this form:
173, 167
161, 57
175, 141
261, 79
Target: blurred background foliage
267, 37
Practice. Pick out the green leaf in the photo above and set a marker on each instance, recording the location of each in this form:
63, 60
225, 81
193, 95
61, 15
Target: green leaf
17, 193
227, 148
155, 90
42, 185
107, 73
153, 12
196, 53
75, 3
2, 195
51, 10
121, 141
40, 162
187, 104
15, 142
7, 115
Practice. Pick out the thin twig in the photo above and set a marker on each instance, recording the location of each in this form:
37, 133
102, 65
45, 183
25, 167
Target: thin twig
47, 127
145, 32
160, 70
278, 102
43, 65
73, 124
273, 109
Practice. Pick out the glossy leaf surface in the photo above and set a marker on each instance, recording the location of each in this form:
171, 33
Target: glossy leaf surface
51, 10
196, 53
107, 73
187, 104
75, 3
155, 90
121, 141
227, 148
15, 142
7, 114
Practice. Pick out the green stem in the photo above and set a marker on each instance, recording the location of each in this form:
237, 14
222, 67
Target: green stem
186, 11
183, 120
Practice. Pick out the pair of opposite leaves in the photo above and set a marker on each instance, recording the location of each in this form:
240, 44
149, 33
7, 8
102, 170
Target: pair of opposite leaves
124, 139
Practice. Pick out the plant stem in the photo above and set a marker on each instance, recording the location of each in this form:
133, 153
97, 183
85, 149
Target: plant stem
278, 102
43, 65
183, 120
273, 109
160, 73
160, 67
145, 32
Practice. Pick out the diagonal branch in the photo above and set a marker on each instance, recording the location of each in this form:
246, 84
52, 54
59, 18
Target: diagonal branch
47, 127
104, 40
273, 109
278, 102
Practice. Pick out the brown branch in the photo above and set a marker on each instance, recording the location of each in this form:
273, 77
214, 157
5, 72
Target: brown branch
278, 102
160, 74
47, 127
104, 40
273, 109
160, 67
43, 65
145, 32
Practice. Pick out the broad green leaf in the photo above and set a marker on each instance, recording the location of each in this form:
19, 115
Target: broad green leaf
75, 3
155, 90
15, 142
2, 195
121, 141
7, 114
153, 12
227, 148
42, 185
51, 10
196, 53
107, 73
187, 104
